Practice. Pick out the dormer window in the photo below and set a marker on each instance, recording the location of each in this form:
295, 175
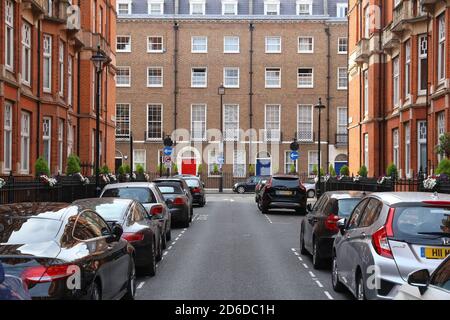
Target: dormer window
124, 6
271, 8
304, 7
155, 7
197, 7
229, 7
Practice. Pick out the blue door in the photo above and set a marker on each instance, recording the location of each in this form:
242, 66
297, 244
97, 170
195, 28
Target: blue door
263, 167
338, 165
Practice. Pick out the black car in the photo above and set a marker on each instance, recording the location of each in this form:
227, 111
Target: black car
196, 186
184, 187
177, 201
283, 192
139, 228
62, 251
249, 184
319, 228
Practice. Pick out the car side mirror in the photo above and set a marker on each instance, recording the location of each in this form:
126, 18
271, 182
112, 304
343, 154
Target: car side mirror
169, 202
341, 225
116, 232
420, 279
309, 207
2, 273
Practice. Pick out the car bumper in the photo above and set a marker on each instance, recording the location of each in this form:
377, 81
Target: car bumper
198, 198
179, 214
326, 247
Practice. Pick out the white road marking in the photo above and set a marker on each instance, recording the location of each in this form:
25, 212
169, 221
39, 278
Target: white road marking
300, 258
268, 218
296, 253
170, 247
184, 229
174, 242
165, 253
231, 200
312, 274
293, 249
319, 284
305, 265
328, 295
141, 285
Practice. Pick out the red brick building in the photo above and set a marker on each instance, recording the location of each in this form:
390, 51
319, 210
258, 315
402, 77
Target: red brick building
398, 84
47, 82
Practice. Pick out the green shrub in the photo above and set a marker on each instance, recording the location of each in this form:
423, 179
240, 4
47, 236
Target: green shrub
73, 164
127, 168
174, 168
315, 172
444, 145
392, 170
160, 168
139, 169
292, 168
363, 171
41, 167
199, 168
215, 168
444, 167
121, 170
104, 170
345, 171
332, 171
251, 169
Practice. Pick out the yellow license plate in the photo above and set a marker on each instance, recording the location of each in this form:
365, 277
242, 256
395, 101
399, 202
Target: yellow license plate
284, 193
435, 253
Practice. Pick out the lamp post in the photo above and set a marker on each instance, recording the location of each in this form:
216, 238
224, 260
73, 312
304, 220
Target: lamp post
221, 92
99, 60
319, 107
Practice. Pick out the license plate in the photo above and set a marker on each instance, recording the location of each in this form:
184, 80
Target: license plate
434, 253
284, 193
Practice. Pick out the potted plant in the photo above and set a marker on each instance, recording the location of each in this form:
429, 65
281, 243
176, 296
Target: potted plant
251, 169
331, 171
43, 172
140, 173
292, 169
174, 168
443, 147
199, 170
215, 169
391, 170
362, 172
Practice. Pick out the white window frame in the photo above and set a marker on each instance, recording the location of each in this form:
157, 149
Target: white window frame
161, 110
341, 10
70, 139
407, 69
267, 39
267, 136
407, 129
396, 81
268, 3
340, 45
313, 160
129, 76
61, 68
47, 139
310, 44
239, 163
300, 3
441, 47
60, 145
225, 38
339, 78
396, 147
440, 116
26, 53
305, 86
47, 53
203, 122
200, 38
288, 162
421, 140
422, 55
272, 69
341, 123
7, 136
205, 85
25, 132
305, 136
122, 2
231, 126
212, 161
226, 78
149, 50
136, 158
161, 82
366, 92
123, 120
226, 3
127, 44
9, 34
159, 3
193, 3
366, 150
70, 80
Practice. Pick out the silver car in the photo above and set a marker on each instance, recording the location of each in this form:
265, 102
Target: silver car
388, 236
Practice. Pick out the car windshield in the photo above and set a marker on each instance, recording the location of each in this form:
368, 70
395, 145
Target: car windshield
346, 206
422, 221
193, 183
111, 211
22, 230
287, 182
167, 189
141, 194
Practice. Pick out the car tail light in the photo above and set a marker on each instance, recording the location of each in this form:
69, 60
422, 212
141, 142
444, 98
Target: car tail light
133, 236
331, 223
380, 237
40, 274
179, 201
156, 210
196, 189
437, 203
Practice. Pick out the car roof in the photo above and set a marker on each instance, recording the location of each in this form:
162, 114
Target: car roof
346, 194
47, 210
168, 180
95, 201
282, 176
129, 185
392, 198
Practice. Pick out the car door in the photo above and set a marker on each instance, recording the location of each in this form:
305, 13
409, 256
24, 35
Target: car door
311, 219
145, 221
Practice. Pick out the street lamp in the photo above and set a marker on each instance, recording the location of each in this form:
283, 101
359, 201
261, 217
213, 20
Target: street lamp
100, 60
221, 92
319, 107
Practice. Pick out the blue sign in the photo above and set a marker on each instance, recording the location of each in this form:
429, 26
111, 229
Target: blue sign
294, 155
220, 160
167, 151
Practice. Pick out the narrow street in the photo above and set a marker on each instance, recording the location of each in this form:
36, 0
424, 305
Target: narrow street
232, 251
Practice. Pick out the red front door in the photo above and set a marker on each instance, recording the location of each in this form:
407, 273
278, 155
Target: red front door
188, 166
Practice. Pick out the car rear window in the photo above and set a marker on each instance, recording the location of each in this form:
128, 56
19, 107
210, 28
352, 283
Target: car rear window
141, 194
23, 230
422, 222
111, 211
285, 182
192, 182
346, 206
165, 189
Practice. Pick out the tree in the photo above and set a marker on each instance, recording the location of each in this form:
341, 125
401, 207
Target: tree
331, 170
41, 167
363, 171
391, 170
73, 165
444, 145
444, 167
139, 169
345, 171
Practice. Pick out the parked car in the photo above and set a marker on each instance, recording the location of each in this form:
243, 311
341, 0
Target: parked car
319, 228
248, 185
184, 187
258, 189
177, 201
283, 192
310, 186
392, 234
62, 251
423, 286
149, 196
12, 287
196, 187
139, 228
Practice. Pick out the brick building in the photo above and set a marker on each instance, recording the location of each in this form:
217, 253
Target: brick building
47, 82
398, 84
272, 58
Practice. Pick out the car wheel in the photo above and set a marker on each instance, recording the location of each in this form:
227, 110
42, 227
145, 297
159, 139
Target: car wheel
336, 283
96, 293
311, 193
360, 291
192, 214
168, 235
131, 289
160, 249
186, 221
259, 206
264, 209
241, 190
303, 250
317, 261
150, 268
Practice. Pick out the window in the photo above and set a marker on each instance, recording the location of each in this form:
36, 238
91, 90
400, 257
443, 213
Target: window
305, 123
212, 163
273, 44
366, 150
395, 148
69, 80
313, 160
197, 7
272, 122
342, 45
271, 8
367, 22
305, 44
407, 69
139, 158
441, 47
304, 7
342, 79
366, 92
371, 213
7, 137
288, 162
239, 163
123, 44
154, 77
407, 150
124, 7
231, 122
198, 122
155, 44
122, 121
396, 81
61, 69
229, 7
422, 65
47, 138
60, 145
26, 53
89, 226
305, 78
199, 45
231, 77
422, 145
47, 76
25, 143
356, 214
9, 35
155, 7
231, 44
342, 121
123, 77
70, 135
440, 129
341, 10
154, 122
199, 78
273, 78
